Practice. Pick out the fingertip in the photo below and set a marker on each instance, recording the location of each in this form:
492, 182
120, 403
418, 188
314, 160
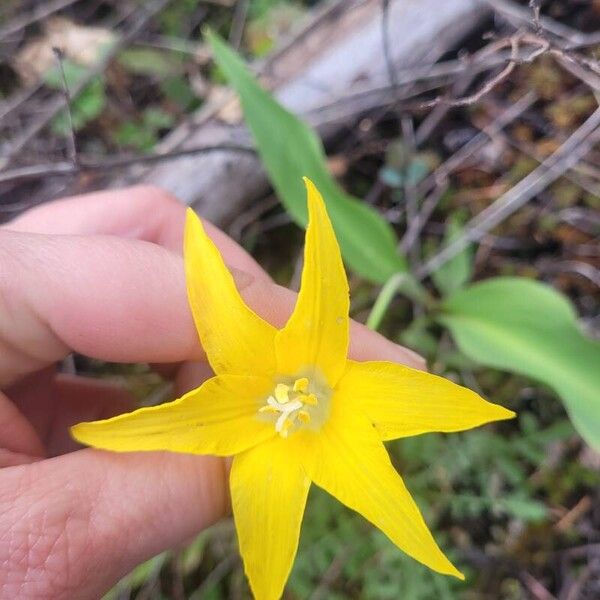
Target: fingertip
410, 358
366, 344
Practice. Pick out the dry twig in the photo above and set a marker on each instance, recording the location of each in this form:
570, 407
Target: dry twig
569, 154
56, 105
72, 145
107, 164
438, 178
42, 11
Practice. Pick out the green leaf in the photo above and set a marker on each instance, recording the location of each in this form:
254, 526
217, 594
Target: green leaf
141, 574
454, 274
418, 337
135, 135
73, 73
148, 61
414, 172
526, 327
289, 150
89, 105
523, 508
177, 89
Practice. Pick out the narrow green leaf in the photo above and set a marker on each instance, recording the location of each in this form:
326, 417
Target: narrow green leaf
526, 327
289, 150
454, 274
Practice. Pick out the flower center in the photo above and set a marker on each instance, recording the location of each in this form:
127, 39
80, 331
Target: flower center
293, 405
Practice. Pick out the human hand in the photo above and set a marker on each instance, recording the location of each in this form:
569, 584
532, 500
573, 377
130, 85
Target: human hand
101, 275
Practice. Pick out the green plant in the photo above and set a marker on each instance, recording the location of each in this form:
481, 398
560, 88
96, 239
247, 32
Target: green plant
513, 324
526, 327
290, 150
143, 134
86, 107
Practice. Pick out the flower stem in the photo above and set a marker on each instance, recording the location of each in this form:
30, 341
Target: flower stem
399, 282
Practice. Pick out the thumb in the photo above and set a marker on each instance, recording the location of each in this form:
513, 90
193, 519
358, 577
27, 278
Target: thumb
72, 526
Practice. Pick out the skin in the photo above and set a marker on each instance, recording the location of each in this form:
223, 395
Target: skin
102, 275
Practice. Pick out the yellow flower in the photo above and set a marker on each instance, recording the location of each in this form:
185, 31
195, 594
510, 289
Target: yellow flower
293, 409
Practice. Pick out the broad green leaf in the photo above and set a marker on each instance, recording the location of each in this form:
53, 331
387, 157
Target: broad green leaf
526, 327
454, 274
289, 150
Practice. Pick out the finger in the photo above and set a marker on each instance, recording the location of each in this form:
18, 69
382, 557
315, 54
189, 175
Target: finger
82, 399
74, 525
117, 300
34, 398
18, 438
191, 375
48, 404
142, 212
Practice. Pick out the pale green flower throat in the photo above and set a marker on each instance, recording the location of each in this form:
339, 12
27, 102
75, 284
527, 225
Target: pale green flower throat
296, 403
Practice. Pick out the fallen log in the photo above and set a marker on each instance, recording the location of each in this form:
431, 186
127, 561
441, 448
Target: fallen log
345, 59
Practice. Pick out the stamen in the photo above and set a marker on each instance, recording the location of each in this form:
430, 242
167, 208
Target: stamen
310, 399
304, 416
291, 406
301, 385
282, 393
284, 422
286, 427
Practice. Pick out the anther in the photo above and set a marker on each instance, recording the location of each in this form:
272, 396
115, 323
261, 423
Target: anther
310, 399
301, 385
304, 416
290, 406
282, 393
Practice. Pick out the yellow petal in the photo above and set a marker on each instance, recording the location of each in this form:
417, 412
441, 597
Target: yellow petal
268, 494
348, 460
317, 332
219, 417
236, 340
401, 401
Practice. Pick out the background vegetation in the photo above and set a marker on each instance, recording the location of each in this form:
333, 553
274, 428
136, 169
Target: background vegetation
516, 505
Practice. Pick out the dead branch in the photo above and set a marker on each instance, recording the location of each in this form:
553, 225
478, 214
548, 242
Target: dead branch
82, 166
487, 87
40, 12
519, 15
340, 51
575, 63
